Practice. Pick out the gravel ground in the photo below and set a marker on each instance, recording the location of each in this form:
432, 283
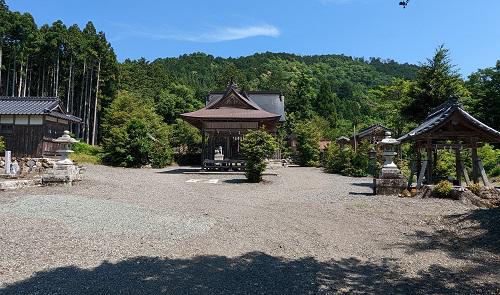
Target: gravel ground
146, 231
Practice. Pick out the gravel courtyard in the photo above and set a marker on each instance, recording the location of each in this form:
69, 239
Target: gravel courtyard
146, 231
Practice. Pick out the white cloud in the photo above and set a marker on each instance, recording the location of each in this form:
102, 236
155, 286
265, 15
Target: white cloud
232, 33
211, 35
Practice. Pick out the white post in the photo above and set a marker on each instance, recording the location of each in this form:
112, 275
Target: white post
8, 160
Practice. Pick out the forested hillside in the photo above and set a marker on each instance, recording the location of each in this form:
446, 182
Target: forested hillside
75, 64
334, 87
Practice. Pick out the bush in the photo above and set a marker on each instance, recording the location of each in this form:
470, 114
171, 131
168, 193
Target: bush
495, 172
443, 189
490, 158
347, 162
134, 135
2, 144
185, 136
445, 166
86, 153
256, 146
308, 137
475, 188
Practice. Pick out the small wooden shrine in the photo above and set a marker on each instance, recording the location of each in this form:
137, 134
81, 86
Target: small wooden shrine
226, 118
374, 134
449, 127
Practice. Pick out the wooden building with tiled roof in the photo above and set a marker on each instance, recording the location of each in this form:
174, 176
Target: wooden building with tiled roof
28, 124
228, 115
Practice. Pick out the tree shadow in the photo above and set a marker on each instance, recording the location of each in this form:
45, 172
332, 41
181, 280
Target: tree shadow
251, 273
473, 237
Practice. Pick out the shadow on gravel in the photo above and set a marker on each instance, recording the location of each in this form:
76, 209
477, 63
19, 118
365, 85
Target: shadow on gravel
180, 170
362, 194
252, 273
363, 184
473, 236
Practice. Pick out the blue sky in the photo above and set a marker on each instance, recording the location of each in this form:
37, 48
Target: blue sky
361, 28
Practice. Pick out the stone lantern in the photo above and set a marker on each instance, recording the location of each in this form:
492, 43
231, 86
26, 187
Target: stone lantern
390, 181
389, 145
65, 142
64, 171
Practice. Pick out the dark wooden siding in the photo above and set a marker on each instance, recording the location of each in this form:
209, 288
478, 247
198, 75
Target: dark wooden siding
33, 140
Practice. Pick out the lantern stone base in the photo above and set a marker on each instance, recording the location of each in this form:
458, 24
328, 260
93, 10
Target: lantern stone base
62, 175
391, 182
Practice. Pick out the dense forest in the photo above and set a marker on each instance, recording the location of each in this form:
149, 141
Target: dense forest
75, 64
132, 108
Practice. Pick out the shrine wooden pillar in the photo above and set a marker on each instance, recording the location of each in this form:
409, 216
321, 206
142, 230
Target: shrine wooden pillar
418, 159
203, 146
430, 163
475, 161
458, 165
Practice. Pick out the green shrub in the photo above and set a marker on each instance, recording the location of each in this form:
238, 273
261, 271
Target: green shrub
2, 144
495, 172
347, 162
134, 135
86, 153
256, 146
308, 137
443, 189
475, 188
490, 158
445, 167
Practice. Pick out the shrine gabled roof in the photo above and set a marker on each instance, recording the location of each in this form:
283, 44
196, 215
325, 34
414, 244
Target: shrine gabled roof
230, 113
369, 130
232, 105
34, 106
442, 114
269, 101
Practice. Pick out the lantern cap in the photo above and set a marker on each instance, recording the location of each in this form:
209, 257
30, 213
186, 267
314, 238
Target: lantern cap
388, 140
65, 138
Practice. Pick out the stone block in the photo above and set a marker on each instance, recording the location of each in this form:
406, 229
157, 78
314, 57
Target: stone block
388, 186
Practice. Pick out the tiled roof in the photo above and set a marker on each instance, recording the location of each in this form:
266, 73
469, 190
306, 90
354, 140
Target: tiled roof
441, 114
230, 113
34, 106
27, 105
218, 109
269, 101
368, 130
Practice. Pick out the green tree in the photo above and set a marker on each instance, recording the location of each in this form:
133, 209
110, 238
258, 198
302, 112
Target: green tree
185, 135
437, 81
326, 103
484, 86
134, 134
256, 146
389, 100
308, 137
175, 100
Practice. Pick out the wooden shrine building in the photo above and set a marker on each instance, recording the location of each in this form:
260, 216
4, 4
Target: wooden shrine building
28, 124
373, 134
226, 118
449, 127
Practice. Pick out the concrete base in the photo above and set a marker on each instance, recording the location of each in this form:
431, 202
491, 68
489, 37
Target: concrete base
19, 183
62, 175
388, 186
390, 182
